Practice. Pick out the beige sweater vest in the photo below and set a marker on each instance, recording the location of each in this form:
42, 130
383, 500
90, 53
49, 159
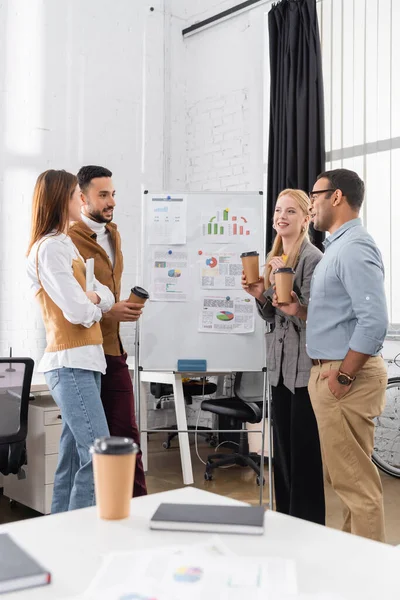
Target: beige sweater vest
60, 333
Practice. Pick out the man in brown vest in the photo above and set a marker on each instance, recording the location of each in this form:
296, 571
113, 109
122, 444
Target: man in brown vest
97, 237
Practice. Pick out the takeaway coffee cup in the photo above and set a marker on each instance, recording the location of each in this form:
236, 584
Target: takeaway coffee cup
251, 266
138, 295
114, 462
284, 284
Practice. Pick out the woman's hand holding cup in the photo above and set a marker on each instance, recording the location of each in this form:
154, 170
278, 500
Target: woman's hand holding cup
254, 289
276, 263
289, 308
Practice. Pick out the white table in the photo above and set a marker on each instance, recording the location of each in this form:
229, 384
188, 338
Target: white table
71, 545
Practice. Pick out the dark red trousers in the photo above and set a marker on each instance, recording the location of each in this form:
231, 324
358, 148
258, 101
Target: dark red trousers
117, 398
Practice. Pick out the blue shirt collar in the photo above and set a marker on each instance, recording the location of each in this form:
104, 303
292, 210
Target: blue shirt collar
336, 234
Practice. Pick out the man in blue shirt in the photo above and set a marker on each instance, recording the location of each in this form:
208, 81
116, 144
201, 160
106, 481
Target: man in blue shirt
346, 327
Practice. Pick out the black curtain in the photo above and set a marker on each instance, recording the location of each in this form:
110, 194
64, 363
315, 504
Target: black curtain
296, 153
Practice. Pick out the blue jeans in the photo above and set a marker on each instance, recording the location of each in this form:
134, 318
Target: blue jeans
77, 393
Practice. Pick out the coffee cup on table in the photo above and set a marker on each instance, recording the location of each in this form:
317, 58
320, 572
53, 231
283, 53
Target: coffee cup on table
138, 295
284, 278
251, 266
114, 462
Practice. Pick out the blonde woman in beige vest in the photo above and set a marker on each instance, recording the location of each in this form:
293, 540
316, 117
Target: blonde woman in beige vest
74, 359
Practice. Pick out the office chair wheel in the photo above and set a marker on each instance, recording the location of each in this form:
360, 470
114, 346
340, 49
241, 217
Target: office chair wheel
166, 445
208, 476
258, 480
212, 442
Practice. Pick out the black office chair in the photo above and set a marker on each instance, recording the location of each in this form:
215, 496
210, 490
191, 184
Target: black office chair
244, 407
15, 386
193, 387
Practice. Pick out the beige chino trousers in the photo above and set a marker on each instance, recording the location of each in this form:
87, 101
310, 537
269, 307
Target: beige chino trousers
346, 430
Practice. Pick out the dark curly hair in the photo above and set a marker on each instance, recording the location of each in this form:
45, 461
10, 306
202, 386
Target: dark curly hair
86, 174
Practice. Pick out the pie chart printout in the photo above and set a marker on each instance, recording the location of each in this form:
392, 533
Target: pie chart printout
225, 315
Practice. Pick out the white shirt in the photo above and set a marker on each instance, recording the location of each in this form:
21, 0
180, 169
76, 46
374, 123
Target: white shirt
55, 258
103, 237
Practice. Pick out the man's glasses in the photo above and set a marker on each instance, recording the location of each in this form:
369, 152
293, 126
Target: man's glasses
312, 195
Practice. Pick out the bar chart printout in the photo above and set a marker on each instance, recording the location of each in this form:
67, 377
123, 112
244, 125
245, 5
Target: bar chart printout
227, 225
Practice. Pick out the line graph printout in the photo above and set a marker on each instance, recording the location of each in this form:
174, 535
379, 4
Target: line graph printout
166, 220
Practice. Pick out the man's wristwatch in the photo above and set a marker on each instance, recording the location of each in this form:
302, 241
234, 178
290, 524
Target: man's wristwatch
344, 379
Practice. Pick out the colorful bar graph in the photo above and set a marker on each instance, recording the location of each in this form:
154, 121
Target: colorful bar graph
223, 223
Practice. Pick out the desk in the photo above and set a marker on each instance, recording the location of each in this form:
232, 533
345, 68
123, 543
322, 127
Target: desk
71, 544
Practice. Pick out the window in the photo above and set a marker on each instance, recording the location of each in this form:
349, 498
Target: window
360, 62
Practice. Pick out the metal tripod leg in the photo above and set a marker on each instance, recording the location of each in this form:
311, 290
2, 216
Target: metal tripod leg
266, 403
270, 448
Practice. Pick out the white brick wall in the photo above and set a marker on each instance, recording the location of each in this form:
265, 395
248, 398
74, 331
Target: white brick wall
222, 114
217, 142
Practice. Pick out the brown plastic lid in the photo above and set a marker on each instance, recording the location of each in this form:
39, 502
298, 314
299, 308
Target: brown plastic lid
285, 270
140, 292
253, 253
114, 445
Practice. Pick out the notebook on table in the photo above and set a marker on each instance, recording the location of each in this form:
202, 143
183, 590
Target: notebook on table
210, 518
18, 570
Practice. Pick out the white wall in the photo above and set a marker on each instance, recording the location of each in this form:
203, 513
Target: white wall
222, 114
193, 11
81, 83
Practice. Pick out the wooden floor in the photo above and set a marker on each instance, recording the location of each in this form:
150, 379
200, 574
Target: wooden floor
236, 482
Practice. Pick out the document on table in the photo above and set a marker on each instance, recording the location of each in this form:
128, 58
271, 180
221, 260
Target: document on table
166, 220
169, 275
114, 577
192, 572
227, 314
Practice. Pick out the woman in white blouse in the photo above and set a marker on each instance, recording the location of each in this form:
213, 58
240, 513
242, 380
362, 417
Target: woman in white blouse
74, 359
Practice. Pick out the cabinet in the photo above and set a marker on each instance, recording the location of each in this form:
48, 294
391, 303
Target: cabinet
44, 431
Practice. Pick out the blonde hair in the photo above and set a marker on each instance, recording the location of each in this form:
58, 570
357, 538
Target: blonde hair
277, 248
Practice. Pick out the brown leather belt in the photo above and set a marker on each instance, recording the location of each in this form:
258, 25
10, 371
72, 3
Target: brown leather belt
319, 361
